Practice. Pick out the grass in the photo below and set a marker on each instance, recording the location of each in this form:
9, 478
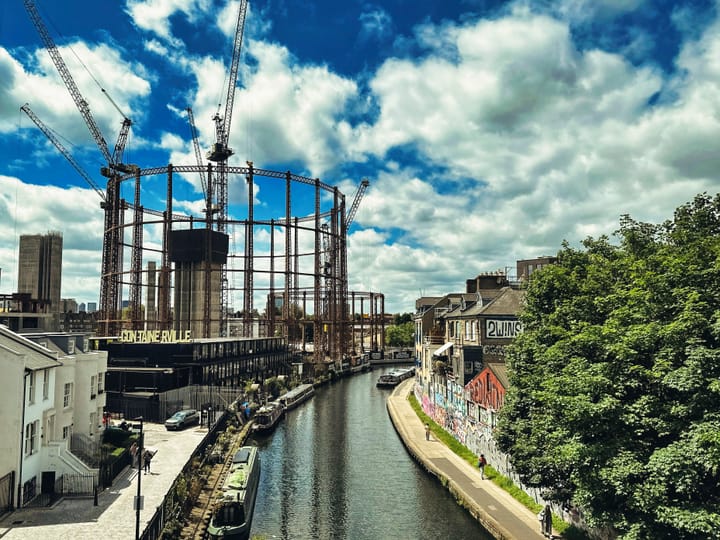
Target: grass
562, 527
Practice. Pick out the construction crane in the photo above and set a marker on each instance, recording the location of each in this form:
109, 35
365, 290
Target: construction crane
54, 138
198, 154
113, 160
356, 201
111, 258
219, 152
50, 134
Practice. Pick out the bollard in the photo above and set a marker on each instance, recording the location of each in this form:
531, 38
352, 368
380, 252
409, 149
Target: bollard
95, 496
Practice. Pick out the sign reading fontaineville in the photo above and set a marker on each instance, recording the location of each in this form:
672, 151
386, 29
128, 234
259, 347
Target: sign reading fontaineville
502, 328
154, 336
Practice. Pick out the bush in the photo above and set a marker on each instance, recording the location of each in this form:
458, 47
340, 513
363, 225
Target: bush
116, 437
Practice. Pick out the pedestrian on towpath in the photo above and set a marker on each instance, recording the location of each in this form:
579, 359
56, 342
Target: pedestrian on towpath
545, 517
481, 465
427, 431
147, 458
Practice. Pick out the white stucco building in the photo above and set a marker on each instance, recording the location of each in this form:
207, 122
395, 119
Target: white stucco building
51, 385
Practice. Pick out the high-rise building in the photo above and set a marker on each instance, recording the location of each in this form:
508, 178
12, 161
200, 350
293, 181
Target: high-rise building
69, 305
92, 307
40, 269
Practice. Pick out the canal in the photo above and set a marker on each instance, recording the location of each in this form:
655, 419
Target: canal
336, 469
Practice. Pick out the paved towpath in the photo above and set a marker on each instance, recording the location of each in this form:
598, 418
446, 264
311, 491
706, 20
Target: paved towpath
499, 513
114, 517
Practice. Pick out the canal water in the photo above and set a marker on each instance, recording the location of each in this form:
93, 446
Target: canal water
335, 468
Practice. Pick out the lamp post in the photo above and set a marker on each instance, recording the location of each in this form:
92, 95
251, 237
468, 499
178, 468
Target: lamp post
138, 498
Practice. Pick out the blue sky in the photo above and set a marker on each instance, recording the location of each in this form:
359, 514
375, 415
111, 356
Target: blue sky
489, 131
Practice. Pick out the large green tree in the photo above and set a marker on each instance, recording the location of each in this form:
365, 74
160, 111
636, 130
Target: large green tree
400, 335
614, 399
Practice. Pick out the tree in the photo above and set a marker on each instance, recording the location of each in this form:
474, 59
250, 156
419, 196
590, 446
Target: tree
614, 398
400, 335
399, 319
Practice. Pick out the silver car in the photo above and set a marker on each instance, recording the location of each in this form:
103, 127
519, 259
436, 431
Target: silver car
182, 419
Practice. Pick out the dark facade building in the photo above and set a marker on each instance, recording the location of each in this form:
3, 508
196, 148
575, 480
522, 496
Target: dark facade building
40, 269
143, 365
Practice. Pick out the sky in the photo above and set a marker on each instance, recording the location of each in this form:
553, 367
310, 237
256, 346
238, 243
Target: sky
489, 131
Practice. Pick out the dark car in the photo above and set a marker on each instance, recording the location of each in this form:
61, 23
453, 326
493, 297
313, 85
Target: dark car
181, 419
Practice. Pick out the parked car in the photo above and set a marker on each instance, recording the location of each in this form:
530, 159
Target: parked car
182, 419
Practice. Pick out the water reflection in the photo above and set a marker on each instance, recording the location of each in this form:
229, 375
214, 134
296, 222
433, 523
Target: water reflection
336, 468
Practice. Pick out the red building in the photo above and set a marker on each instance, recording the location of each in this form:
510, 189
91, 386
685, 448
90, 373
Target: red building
487, 388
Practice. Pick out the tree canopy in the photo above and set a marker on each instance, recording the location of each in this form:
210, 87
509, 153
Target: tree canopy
614, 398
400, 335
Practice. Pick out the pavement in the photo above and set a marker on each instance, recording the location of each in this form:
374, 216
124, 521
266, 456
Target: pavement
503, 516
114, 517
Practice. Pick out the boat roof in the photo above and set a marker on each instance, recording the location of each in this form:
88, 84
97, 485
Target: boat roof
242, 455
297, 390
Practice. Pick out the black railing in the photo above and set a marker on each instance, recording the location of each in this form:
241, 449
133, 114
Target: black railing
86, 449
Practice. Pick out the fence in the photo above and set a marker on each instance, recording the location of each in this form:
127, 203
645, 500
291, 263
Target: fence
86, 449
159, 407
6, 493
76, 485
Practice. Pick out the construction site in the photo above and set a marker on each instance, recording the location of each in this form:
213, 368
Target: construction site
233, 270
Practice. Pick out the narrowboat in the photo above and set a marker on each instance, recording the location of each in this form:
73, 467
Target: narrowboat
395, 377
268, 416
233, 511
296, 396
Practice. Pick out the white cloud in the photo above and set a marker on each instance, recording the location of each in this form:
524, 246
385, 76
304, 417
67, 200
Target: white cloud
523, 138
155, 15
287, 112
54, 209
127, 84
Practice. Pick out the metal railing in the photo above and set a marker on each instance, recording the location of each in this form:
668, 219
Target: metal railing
86, 449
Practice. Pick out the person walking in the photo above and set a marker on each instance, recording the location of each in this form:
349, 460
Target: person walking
546, 521
481, 465
427, 431
147, 457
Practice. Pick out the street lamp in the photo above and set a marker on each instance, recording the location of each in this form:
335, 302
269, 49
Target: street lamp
138, 498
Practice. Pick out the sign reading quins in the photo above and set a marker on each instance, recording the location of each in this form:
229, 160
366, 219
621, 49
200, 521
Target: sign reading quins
502, 328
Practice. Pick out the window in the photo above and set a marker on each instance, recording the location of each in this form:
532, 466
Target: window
46, 384
101, 385
67, 432
31, 387
71, 347
93, 422
67, 397
93, 384
31, 434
